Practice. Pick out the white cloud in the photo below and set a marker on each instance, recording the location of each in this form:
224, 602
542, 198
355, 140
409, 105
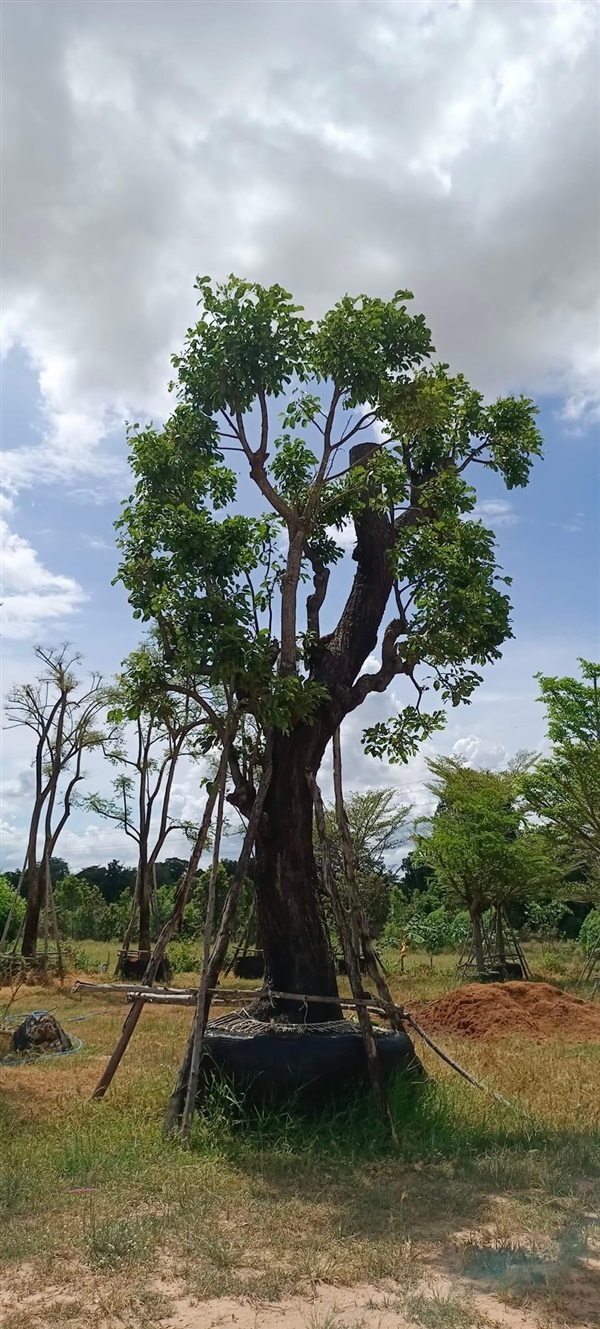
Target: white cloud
451, 148
32, 597
94, 542
477, 751
496, 512
345, 537
573, 527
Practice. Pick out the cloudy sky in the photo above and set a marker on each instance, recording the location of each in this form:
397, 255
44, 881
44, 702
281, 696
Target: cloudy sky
449, 147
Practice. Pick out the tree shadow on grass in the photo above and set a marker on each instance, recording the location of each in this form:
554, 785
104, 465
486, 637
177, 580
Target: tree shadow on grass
458, 1156
562, 1275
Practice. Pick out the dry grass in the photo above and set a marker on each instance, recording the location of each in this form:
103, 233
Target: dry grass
104, 1223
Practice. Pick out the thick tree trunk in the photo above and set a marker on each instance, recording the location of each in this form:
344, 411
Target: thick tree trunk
290, 917
289, 912
35, 900
145, 944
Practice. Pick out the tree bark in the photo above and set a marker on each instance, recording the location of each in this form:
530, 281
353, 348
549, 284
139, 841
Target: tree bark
292, 930
289, 912
35, 895
145, 944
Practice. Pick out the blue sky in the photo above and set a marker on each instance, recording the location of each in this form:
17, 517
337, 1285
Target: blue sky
464, 165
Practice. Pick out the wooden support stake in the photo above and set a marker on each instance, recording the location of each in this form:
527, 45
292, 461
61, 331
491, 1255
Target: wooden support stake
200, 1016
181, 899
51, 905
357, 911
454, 1064
17, 892
177, 1100
351, 958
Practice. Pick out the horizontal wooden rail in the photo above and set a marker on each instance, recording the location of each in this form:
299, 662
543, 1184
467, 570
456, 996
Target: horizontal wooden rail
187, 996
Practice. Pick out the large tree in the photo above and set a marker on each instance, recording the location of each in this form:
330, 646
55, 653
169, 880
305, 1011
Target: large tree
358, 447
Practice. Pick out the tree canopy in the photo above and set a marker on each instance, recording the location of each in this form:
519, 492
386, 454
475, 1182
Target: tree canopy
260, 384
563, 789
478, 841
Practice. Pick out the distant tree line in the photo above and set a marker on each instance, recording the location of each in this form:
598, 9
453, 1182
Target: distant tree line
523, 841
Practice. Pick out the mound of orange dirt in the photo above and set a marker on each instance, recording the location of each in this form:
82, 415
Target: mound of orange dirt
497, 1010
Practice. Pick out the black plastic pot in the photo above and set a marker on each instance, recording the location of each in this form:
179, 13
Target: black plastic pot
343, 969
512, 972
309, 1061
250, 966
132, 967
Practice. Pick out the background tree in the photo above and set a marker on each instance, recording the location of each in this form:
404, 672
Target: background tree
563, 789
480, 846
63, 713
378, 827
12, 908
112, 881
343, 424
164, 728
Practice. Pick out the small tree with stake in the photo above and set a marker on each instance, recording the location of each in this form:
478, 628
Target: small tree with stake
63, 713
480, 846
164, 729
377, 825
372, 437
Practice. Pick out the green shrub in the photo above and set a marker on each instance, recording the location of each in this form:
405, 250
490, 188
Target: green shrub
78, 959
7, 899
589, 932
185, 956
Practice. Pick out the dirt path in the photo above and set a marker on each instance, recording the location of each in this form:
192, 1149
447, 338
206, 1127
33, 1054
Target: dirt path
437, 1302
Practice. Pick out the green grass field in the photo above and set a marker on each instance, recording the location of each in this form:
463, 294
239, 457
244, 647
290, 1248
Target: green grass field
484, 1213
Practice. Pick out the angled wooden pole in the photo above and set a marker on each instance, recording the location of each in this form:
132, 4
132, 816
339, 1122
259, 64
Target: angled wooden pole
17, 892
181, 899
200, 1015
51, 905
177, 1100
358, 913
351, 958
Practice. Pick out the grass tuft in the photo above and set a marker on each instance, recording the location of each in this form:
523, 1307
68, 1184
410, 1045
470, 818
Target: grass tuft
113, 1243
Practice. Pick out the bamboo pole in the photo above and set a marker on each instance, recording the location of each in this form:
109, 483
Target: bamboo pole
225, 998
200, 1016
177, 1100
170, 926
46, 916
